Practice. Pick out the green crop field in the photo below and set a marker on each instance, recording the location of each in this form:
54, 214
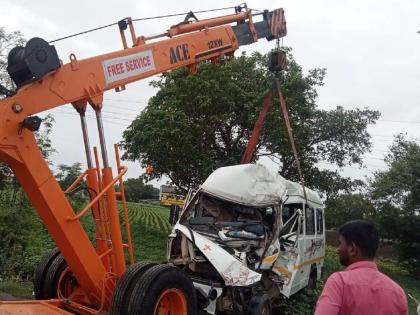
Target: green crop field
150, 227
154, 217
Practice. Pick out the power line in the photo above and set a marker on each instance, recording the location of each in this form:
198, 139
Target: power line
129, 110
88, 114
90, 117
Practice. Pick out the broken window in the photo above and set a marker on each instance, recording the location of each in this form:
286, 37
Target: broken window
319, 221
290, 219
310, 221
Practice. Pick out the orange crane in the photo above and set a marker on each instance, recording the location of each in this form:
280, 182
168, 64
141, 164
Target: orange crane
80, 276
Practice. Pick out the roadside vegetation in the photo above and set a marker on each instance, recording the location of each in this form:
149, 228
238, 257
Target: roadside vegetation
150, 245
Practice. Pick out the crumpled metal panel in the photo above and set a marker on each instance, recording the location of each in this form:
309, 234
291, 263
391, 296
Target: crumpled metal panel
233, 272
247, 184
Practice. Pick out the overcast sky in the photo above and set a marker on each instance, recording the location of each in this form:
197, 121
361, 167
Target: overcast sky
371, 50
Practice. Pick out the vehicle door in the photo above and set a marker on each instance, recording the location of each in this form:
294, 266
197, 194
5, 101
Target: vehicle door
308, 248
292, 244
319, 245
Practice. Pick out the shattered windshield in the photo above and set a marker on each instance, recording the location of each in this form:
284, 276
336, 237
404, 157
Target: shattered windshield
223, 219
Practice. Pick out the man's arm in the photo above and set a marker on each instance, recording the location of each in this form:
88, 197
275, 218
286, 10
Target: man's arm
331, 299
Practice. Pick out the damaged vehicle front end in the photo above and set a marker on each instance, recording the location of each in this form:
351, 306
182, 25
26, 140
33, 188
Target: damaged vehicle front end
234, 242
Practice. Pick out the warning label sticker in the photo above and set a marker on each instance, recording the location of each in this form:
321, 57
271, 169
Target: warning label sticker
128, 66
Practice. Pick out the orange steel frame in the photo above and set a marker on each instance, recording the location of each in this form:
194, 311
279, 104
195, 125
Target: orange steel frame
82, 82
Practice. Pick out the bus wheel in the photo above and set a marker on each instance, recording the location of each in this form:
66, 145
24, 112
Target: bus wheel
163, 290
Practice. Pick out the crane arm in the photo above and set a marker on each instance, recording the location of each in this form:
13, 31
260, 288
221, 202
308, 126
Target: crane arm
189, 44
44, 83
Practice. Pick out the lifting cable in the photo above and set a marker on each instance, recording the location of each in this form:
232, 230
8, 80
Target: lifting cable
281, 62
283, 108
147, 18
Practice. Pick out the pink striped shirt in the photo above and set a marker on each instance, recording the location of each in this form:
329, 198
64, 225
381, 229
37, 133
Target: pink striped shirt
361, 289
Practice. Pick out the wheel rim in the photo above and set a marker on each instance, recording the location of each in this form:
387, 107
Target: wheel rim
171, 302
67, 283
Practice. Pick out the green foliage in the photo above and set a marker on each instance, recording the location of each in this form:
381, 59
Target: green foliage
345, 207
136, 190
396, 195
67, 174
400, 184
43, 137
24, 241
197, 123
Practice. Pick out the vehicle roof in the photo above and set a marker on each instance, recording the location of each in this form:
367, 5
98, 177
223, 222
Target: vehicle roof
295, 193
246, 184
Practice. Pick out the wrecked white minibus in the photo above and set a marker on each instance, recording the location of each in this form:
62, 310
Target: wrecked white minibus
248, 238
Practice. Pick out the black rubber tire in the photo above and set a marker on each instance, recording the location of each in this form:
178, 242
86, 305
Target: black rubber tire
41, 272
58, 265
260, 304
153, 282
312, 281
125, 286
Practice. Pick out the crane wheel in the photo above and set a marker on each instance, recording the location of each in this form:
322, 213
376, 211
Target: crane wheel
125, 286
56, 269
41, 273
260, 304
163, 290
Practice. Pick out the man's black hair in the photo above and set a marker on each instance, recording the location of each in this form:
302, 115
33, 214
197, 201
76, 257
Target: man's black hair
363, 234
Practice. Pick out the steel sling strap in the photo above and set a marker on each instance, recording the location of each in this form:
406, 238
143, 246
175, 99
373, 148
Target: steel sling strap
284, 111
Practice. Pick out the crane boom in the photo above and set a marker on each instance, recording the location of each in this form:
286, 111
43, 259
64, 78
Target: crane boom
45, 83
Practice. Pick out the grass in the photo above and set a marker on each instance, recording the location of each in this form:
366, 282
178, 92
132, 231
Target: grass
19, 289
149, 227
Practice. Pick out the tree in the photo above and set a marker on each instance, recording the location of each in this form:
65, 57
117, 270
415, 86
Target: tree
400, 184
345, 207
67, 174
197, 123
396, 195
136, 190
